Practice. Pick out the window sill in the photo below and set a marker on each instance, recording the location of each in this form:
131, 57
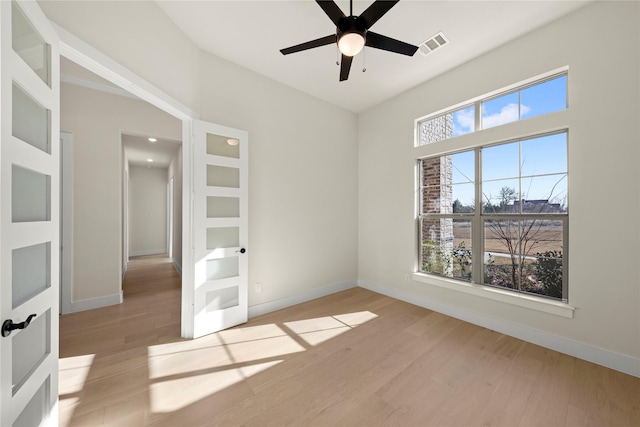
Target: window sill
522, 300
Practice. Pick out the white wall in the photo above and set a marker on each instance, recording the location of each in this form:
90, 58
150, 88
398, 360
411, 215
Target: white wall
147, 210
302, 180
96, 121
302, 154
604, 280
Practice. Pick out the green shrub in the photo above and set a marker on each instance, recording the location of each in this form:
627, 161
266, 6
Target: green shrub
548, 271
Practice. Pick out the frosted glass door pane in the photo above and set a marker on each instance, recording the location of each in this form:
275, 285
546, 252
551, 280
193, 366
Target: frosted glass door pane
34, 413
30, 121
223, 146
29, 347
222, 176
222, 268
221, 299
223, 207
31, 268
29, 45
223, 237
30, 192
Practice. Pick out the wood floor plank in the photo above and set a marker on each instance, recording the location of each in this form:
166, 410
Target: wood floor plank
354, 358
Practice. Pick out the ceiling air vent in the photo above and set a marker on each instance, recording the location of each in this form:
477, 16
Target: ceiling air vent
432, 43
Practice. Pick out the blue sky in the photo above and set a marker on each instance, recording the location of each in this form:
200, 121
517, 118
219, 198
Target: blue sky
541, 162
535, 100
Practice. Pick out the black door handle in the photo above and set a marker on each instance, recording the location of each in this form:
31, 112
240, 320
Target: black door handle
9, 326
242, 250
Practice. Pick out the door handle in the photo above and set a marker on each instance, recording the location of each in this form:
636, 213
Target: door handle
241, 250
9, 326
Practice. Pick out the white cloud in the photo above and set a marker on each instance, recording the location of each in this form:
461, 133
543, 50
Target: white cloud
464, 119
508, 113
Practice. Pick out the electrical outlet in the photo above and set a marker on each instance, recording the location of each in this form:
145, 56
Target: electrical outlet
258, 288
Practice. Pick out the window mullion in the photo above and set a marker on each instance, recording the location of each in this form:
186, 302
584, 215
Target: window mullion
477, 243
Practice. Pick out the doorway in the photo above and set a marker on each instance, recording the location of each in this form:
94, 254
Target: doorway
111, 129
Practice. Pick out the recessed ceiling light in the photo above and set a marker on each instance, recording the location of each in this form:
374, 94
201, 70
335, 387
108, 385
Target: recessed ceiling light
152, 139
149, 160
232, 141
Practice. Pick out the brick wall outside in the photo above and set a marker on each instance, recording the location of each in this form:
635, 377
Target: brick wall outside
437, 174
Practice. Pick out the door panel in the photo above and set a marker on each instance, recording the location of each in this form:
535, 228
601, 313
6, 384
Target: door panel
219, 228
29, 216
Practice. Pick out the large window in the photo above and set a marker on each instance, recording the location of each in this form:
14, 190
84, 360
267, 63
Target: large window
497, 215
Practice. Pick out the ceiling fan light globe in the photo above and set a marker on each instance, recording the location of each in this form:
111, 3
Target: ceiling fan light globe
350, 44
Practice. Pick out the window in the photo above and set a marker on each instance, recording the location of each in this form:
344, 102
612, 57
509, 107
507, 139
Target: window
525, 101
497, 215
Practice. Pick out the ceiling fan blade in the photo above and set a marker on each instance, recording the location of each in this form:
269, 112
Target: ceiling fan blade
379, 41
309, 45
376, 11
332, 10
345, 66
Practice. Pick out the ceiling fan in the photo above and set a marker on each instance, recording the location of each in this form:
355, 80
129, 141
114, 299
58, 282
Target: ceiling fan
352, 33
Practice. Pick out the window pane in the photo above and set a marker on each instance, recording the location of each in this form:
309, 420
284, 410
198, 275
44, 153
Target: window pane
437, 191
544, 98
463, 198
28, 44
463, 167
544, 155
30, 195
546, 264
463, 121
500, 196
501, 110
524, 255
446, 247
463, 178
500, 161
501, 248
545, 194
31, 122
448, 125
223, 146
436, 129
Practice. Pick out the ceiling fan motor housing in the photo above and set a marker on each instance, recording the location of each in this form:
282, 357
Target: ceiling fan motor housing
351, 25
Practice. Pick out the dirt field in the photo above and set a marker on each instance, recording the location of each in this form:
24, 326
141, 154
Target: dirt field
540, 239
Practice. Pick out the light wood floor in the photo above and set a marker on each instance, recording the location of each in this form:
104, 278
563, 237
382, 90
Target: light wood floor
355, 358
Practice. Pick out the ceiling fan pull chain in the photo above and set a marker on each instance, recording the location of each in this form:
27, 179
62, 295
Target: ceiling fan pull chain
337, 56
364, 60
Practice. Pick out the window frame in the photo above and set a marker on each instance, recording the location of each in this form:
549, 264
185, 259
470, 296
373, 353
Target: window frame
477, 102
478, 217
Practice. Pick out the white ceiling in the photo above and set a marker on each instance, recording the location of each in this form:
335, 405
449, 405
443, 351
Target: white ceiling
138, 149
251, 33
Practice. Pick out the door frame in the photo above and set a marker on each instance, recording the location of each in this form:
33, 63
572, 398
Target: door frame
83, 54
66, 221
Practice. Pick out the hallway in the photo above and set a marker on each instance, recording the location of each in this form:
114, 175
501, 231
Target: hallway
103, 352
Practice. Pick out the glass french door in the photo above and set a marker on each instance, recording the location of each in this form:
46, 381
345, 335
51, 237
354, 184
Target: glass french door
220, 229
29, 216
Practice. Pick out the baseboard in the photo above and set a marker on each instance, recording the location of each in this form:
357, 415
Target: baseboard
148, 252
90, 304
609, 359
268, 307
177, 266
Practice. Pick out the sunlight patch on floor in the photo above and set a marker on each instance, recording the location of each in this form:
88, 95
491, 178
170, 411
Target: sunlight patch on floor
72, 373
185, 372
171, 395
